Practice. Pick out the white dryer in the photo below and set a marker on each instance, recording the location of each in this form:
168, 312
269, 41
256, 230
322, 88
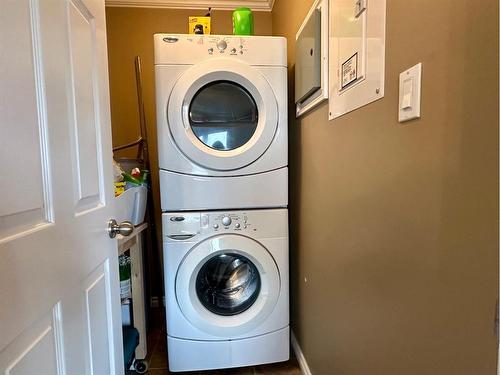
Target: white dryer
226, 287
221, 112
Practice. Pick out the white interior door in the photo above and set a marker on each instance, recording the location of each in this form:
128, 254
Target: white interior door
59, 287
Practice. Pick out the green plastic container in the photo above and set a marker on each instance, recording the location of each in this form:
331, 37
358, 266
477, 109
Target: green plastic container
242, 21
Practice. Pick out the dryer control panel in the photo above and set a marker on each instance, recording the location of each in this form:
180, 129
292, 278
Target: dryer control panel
192, 49
253, 223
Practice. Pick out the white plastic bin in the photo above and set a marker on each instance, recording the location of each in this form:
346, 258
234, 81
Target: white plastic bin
133, 204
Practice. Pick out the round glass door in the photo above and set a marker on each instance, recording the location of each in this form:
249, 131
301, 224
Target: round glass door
228, 284
223, 115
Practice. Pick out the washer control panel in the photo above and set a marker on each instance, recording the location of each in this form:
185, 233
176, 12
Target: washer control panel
192, 226
229, 221
232, 46
185, 225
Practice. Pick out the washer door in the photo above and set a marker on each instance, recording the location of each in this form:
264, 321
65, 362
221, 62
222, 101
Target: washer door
222, 114
227, 285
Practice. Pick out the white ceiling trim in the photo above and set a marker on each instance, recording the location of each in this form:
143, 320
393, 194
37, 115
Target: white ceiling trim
262, 5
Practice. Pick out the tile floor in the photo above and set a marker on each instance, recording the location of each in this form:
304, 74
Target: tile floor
158, 365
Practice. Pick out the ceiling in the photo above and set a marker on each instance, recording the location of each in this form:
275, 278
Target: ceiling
265, 5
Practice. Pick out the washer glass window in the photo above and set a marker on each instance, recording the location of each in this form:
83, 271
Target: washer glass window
228, 284
223, 115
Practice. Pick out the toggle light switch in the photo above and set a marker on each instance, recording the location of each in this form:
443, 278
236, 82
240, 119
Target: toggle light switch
409, 93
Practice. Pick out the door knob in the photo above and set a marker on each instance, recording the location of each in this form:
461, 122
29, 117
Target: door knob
125, 228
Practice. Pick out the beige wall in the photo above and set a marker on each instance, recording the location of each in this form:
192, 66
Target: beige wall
130, 33
395, 226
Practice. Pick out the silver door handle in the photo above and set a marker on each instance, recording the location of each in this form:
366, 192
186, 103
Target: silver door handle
125, 228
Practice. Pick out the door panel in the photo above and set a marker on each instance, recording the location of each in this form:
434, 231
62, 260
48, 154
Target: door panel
59, 269
86, 168
29, 361
37, 350
97, 295
24, 206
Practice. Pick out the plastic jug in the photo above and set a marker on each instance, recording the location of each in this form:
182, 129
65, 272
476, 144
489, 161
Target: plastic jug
242, 21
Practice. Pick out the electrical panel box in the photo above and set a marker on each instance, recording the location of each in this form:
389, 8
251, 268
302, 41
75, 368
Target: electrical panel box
308, 58
357, 54
311, 59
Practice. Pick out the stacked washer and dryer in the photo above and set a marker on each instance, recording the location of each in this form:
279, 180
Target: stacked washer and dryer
222, 144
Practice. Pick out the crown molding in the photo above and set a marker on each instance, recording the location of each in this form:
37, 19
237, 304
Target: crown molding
257, 5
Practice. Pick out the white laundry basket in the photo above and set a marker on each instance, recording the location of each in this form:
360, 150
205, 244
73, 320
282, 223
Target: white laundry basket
133, 204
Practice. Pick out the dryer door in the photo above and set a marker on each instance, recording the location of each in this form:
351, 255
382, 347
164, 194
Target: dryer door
227, 285
222, 114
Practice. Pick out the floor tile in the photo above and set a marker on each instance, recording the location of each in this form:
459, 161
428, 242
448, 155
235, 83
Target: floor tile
158, 372
158, 359
284, 368
231, 371
158, 363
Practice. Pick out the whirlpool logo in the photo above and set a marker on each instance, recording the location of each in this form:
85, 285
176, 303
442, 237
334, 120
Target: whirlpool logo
177, 218
170, 39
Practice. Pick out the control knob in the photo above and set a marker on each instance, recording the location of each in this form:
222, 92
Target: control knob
226, 221
221, 45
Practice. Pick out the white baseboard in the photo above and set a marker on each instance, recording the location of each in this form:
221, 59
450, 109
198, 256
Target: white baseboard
304, 367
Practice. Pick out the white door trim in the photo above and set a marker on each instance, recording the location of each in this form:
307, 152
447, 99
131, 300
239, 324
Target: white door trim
262, 5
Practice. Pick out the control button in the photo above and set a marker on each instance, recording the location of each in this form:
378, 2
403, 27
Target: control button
210, 50
233, 50
237, 225
241, 52
226, 220
216, 226
204, 221
221, 45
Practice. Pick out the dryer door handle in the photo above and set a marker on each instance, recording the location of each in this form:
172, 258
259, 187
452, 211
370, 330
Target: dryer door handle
181, 237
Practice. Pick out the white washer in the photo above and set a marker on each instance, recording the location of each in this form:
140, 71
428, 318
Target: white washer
221, 112
226, 287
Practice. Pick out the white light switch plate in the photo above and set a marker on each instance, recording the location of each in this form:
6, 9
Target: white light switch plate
410, 82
